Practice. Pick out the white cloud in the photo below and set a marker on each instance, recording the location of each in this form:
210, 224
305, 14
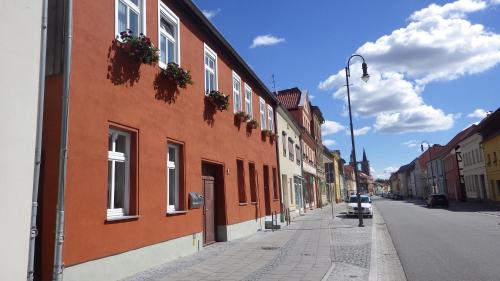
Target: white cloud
210, 13
329, 142
478, 113
360, 131
266, 40
411, 143
423, 118
457, 9
387, 172
438, 44
331, 127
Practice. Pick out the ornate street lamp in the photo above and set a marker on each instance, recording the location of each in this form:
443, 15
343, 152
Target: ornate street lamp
365, 78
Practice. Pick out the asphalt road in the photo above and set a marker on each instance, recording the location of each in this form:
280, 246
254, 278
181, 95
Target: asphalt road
438, 244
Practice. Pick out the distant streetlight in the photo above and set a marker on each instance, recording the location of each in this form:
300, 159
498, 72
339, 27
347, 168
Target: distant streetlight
365, 78
430, 160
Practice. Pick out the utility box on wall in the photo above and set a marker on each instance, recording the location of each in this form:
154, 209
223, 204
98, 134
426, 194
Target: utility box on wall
195, 200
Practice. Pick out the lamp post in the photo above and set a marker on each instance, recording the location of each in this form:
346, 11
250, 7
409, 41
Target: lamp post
430, 160
365, 78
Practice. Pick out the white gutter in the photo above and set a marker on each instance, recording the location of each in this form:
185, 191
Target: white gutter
38, 143
57, 272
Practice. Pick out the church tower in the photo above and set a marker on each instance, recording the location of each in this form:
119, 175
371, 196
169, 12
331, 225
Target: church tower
365, 164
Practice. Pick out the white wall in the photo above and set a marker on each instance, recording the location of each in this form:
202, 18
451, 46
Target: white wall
287, 166
472, 167
19, 69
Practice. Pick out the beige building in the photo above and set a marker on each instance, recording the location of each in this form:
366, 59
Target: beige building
290, 162
474, 168
350, 180
19, 76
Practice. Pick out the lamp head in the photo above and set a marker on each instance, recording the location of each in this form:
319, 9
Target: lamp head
365, 76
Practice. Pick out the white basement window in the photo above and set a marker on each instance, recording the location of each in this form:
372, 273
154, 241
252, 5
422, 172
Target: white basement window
118, 173
173, 167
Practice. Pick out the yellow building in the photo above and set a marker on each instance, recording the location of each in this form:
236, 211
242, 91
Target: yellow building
490, 131
336, 171
491, 149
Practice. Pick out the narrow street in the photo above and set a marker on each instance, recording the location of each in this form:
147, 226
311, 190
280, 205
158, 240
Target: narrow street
462, 243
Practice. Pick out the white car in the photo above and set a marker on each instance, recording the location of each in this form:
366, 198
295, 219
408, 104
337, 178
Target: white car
366, 206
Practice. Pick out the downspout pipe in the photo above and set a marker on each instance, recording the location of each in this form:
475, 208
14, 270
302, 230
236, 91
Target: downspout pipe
57, 272
38, 142
302, 181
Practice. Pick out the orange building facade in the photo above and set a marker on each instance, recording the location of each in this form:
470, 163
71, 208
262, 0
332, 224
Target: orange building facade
139, 147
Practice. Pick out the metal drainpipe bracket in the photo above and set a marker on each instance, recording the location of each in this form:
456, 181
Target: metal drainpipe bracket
33, 232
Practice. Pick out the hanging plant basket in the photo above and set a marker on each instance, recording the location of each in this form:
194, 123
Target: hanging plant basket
264, 133
178, 75
252, 124
242, 116
218, 100
139, 47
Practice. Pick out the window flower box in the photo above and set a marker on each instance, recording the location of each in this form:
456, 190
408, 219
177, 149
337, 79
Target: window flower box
139, 47
252, 124
218, 100
178, 75
242, 116
268, 133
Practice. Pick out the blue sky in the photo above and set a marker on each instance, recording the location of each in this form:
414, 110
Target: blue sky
432, 64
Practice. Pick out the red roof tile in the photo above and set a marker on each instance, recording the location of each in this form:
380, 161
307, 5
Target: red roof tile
289, 98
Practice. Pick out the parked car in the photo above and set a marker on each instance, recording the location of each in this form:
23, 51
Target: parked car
437, 200
366, 206
397, 197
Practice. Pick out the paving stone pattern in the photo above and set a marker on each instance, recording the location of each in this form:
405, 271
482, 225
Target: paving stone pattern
313, 247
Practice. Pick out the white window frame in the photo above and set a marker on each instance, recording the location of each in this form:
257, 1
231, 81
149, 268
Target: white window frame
237, 107
262, 110
248, 100
176, 165
173, 19
119, 157
270, 118
140, 9
213, 55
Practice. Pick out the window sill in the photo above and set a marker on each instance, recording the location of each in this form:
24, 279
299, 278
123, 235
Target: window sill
243, 204
254, 203
175, 213
122, 218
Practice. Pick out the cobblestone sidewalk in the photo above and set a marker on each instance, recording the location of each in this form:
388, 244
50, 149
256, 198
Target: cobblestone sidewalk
313, 247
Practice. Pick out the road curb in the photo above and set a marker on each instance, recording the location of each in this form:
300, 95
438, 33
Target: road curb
385, 264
